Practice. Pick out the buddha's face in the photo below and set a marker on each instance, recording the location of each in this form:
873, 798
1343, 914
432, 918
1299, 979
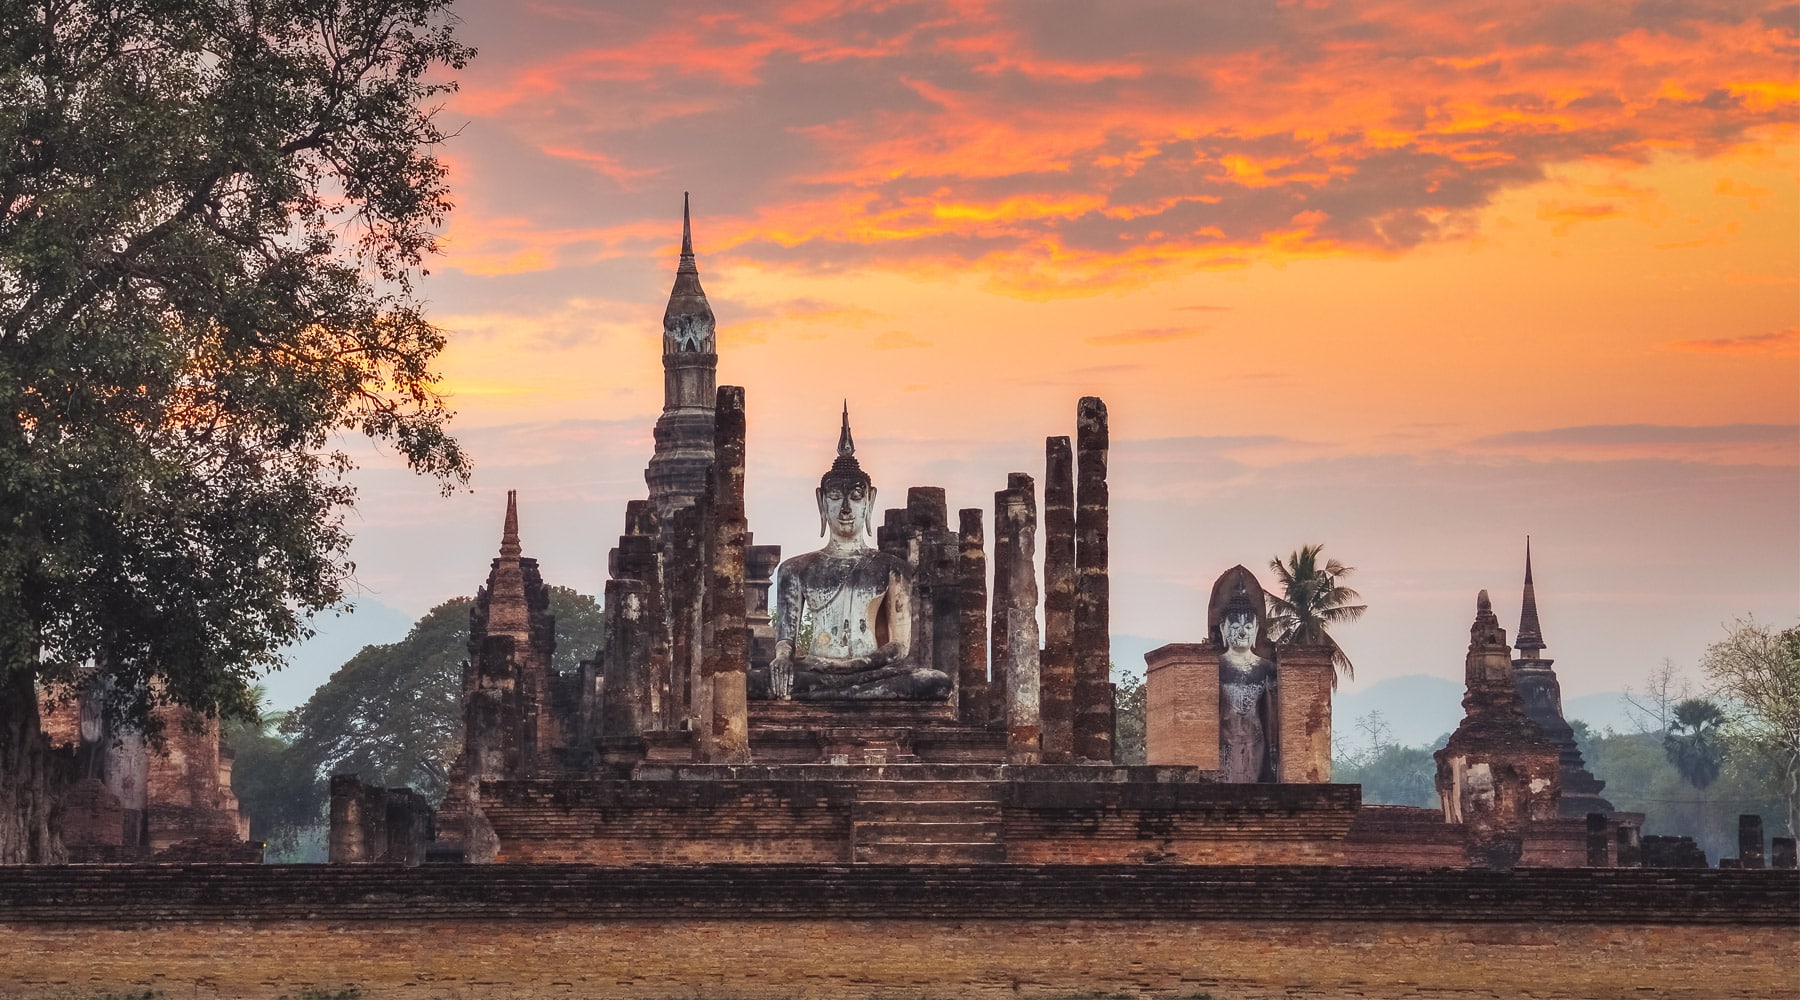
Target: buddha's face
1238, 630
844, 509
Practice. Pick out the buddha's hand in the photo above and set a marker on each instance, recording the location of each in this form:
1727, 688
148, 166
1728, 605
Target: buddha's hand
781, 672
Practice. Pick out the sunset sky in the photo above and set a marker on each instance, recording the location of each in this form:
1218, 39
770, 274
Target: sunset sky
1413, 280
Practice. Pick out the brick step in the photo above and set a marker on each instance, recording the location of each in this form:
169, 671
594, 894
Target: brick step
904, 832
929, 810
934, 854
927, 791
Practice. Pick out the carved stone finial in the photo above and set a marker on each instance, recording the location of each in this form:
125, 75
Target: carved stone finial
845, 468
509, 532
1531, 634
687, 265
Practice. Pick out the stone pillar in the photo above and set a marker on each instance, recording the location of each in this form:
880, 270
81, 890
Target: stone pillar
1750, 840
1782, 853
409, 826
1000, 600
1093, 601
625, 663
972, 677
760, 562
1597, 841
938, 577
348, 842
1631, 847
1181, 705
1057, 668
1017, 508
759, 575
683, 600
702, 629
728, 655
1303, 676
639, 558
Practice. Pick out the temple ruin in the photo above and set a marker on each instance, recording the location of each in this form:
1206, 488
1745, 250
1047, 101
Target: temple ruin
885, 702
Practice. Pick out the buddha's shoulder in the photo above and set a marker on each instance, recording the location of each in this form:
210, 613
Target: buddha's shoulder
868, 562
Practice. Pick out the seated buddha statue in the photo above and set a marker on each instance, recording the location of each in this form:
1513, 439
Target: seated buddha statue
857, 603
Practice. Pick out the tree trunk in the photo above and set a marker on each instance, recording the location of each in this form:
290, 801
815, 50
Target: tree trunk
28, 785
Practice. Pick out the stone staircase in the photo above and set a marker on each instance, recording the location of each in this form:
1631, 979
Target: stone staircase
928, 822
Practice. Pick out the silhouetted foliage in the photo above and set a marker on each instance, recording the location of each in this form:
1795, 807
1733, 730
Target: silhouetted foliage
1312, 602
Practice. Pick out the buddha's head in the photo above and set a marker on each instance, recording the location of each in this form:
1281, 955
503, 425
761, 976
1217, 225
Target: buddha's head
845, 494
1237, 629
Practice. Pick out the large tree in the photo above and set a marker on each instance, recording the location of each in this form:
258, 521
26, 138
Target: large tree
1312, 602
1757, 671
211, 216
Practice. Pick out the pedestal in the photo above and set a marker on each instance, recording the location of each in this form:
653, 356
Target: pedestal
1303, 706
1181, 705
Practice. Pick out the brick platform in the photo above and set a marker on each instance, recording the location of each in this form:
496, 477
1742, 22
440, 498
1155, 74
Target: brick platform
897, 931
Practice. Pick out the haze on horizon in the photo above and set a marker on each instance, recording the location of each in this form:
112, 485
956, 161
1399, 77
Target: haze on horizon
1413, 280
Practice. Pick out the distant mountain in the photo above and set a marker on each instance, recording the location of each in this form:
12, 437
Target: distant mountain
1419, 709
1603, 711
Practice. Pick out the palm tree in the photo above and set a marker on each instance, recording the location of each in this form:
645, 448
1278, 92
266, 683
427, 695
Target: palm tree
1692, 741
1312, 602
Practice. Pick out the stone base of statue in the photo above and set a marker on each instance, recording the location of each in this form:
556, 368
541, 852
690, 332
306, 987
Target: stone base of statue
896, 681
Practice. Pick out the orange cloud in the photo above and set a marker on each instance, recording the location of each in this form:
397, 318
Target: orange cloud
1048, 146
1777, 342
1159, 335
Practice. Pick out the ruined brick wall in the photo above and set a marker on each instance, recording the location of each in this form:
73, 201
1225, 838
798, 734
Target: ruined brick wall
659, 822
1188, 824
752, 932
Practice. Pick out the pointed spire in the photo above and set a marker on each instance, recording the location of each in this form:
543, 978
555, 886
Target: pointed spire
688, 325
846, 446
687, 265
508, 610
509, 533
1531, 635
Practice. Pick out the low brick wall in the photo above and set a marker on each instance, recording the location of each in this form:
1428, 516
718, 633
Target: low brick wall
896, 931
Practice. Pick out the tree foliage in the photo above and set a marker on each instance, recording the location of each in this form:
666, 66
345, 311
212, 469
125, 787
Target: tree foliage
1390, 774
1640, 778
1129, 739
393, 713
211, 215
1312, 602
1692, 741
282, 801
1757, 671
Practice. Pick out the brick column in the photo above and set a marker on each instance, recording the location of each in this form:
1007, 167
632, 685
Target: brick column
625, 663
1597, 841
1057, 667
1303, 711
1181, 705
728, 655
1093, 601
972, 672
1016, 508
1750, 840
